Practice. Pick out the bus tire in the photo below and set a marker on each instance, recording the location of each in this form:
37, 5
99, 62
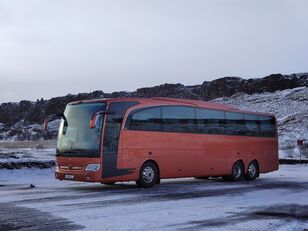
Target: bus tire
252, 171
110, 183
148, 175
237, 171
202, 178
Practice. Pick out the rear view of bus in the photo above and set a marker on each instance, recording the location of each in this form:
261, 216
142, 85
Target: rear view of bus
145, 140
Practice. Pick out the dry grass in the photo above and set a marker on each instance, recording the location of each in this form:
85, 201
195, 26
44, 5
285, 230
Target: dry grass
29, 144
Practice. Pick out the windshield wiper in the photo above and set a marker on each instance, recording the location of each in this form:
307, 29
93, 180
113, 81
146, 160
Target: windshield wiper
78, 153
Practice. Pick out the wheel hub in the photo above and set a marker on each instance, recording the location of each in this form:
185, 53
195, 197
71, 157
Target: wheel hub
252, 170
148, 174
237, 171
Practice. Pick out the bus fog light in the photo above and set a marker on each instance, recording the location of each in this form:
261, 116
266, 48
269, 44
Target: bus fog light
93, 167
56, 167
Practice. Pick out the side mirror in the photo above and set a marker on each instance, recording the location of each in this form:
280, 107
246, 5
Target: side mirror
48, 118
94, 117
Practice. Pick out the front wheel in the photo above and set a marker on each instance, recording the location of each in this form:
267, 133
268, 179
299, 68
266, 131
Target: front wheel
252, 171
237, 171
148, 175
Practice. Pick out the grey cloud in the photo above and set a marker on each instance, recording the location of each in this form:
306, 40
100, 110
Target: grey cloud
51, 48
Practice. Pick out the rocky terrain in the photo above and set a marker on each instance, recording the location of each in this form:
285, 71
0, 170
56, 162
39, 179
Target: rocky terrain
22, 121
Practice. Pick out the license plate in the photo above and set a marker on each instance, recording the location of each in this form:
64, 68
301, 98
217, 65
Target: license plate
69, 177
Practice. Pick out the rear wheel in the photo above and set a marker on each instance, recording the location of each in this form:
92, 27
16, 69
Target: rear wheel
110, 183
252, 171
237, 171
202, 178
148, 175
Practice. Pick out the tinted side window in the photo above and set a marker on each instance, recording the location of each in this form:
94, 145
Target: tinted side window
267, 126
210, 121
252, 125
178, 119
146, 120
235, 123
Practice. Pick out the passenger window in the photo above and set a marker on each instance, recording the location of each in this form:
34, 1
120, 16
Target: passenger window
235, 124
267, 126
252, 125
178, 119
186, 119
146, 120
210, 121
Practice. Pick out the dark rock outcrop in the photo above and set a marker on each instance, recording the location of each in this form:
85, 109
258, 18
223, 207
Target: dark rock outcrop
167, 90
28, 113
225, 87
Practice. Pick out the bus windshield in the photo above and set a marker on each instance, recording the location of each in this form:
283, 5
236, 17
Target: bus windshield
77, 138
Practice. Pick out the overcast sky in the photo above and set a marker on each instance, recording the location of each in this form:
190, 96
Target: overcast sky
54, 47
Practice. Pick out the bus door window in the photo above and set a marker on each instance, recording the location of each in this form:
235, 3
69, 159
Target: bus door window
111, 137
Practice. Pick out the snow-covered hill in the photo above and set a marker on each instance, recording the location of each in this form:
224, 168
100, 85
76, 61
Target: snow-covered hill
290, 107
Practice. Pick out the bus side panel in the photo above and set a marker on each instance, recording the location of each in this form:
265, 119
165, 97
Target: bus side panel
136, 148
242, 148
212, 156
264, 150
174, 153
184, 155
235, 149
179, 154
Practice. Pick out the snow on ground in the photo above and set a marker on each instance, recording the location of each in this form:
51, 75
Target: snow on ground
275, 201
26, 154
26, 157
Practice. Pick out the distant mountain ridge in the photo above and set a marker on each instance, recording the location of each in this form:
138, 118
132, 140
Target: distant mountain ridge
16, 118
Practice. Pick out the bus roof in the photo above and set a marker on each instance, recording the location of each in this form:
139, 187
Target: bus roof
165, 100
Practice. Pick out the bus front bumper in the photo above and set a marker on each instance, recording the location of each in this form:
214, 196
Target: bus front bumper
85, 176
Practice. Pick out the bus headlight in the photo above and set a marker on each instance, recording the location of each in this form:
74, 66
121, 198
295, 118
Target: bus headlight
93, 167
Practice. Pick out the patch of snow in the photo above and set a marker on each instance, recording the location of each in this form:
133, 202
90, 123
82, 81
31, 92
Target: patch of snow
27, 157
2, 126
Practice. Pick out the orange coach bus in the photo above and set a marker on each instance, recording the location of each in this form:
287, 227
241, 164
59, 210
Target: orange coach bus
148, 139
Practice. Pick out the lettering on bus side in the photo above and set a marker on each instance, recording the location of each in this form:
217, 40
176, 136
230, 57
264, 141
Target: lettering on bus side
111, 138
186, 119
